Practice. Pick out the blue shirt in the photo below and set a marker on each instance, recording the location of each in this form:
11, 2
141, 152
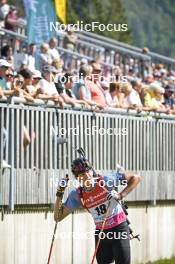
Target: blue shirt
112, 180
76, 89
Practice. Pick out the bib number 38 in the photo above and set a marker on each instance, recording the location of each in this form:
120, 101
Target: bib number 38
101, 209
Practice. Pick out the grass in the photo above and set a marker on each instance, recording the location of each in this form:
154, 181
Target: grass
163, 261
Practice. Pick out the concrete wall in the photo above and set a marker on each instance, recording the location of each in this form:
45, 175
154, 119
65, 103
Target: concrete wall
25, 237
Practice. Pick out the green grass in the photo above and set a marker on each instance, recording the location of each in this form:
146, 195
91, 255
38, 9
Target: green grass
163, 261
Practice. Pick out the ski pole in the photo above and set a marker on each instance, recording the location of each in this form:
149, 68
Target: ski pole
62, 189
102, 228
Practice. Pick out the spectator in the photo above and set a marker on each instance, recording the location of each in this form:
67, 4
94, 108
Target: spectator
20, 59
11, 19
53, 43
49, 91
4, 70
45, 57
131, 97
170, 98
70, 40
80, 89
36, 79
31, 56
114, 98
154, 98
4, 9
97, 93
7, 54
27, 85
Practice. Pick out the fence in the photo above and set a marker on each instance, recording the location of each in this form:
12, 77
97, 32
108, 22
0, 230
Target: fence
143, 144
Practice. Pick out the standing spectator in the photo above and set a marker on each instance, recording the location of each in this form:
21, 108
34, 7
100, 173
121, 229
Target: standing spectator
28, 78
49, 91
131, 98
11, 19
114, 98
53, 43
154, 98
97, 93
170, 98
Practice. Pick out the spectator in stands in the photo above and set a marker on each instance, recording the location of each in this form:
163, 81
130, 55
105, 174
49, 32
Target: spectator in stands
53, 44
170, 98
36, 79
49, 91
94, 86
45, 57
31, 57
81, 90
115, 97
7, 53
154, 98
131, 98
70, 40
11, 19
27, 85
20, 58
4, 69
4, 9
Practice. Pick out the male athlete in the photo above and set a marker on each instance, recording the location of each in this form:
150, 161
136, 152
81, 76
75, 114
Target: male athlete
99, 196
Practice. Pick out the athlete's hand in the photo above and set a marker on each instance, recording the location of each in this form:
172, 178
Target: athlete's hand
114, 195
62, 184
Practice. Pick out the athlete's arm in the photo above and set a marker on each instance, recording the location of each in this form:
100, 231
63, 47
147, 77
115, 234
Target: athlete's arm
60, 212
132, 181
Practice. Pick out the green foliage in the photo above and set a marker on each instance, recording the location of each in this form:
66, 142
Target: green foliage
101, 11
152, 24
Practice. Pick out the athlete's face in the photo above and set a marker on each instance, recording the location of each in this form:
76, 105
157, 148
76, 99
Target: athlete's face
86, 178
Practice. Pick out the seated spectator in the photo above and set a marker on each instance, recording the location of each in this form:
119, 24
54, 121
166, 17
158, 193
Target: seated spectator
44, 57
4, 9
70, 40
31, 57
53, 43
20, 58
4, 69
154, 98
49, 91
11, 19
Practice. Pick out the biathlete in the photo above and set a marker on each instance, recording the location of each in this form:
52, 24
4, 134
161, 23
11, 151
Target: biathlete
99, 196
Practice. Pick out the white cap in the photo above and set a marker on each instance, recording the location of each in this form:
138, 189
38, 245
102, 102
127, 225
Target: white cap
155, 86
37, 74
4, 63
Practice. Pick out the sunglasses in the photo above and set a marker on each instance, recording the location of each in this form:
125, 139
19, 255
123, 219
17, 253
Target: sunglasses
9, 75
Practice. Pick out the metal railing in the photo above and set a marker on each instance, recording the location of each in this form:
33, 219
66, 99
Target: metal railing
144, 144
